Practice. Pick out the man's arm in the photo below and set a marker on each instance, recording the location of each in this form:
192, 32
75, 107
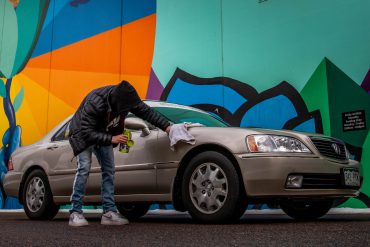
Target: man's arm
143, 111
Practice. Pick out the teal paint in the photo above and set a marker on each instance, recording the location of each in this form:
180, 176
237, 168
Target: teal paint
188, 36
285, 40
261, 43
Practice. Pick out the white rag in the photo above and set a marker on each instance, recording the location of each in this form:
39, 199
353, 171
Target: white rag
179, 132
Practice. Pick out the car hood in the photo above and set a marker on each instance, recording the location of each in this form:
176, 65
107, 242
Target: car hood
234, 138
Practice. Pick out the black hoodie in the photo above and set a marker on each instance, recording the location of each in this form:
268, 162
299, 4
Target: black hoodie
89, 124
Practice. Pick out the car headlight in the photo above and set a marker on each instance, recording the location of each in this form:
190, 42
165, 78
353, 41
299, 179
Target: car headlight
274, 143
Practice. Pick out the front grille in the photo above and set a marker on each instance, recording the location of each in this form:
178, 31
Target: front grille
330, 148
321, 181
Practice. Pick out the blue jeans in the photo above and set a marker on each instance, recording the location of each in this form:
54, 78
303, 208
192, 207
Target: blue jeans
105, 157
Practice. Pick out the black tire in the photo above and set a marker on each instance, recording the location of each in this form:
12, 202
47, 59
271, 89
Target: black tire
309, 210
46, 209
133, 211
230, 207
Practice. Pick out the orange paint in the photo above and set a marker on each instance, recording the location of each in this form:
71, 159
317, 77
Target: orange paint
59, 80
137, 52
40, 76
138, 46
73, 86
123, 53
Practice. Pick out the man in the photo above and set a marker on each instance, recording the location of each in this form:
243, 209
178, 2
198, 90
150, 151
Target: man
97, 125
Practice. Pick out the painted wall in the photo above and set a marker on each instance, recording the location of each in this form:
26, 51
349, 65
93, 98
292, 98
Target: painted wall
263, 63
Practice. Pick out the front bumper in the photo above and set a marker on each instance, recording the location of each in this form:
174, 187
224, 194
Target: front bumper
265, 176
12, 183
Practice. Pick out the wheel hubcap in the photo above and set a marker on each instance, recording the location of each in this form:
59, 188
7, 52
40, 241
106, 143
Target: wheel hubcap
35, 194
208, 188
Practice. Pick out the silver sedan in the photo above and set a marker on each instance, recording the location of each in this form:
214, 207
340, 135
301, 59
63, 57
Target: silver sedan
213, 180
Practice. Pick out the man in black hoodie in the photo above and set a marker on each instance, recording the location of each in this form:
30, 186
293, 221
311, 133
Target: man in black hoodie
96, 126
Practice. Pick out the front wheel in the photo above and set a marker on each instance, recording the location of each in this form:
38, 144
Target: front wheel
211, 188
308, 210
37, 197
133, 211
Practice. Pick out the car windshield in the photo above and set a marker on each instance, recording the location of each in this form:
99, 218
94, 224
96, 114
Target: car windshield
180, 115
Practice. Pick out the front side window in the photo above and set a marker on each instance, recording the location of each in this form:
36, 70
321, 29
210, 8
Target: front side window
180, 115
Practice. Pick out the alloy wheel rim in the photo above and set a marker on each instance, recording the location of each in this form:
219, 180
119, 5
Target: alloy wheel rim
208, 188
35, 194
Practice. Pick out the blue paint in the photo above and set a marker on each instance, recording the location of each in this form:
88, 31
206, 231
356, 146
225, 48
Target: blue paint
43, 44
12, 144
272, 113
308, 126
13, 203
157, 206
232, 100
72, 24
136, 9
3, 171
191, 94
1, 200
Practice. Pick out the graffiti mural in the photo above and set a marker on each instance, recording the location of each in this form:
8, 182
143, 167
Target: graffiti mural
281, 107
241, 105
22, 25
301, 67
53, 52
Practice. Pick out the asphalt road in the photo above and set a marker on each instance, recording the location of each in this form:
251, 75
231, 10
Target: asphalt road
180, 230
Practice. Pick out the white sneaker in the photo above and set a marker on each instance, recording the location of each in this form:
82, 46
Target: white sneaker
76, 219
113, 219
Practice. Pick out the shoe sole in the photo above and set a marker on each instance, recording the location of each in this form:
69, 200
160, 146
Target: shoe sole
114, 223
78, 225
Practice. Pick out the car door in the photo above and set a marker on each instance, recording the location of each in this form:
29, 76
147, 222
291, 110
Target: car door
62, 163
167, 163
134, 171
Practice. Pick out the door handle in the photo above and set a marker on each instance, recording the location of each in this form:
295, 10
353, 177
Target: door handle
52, 147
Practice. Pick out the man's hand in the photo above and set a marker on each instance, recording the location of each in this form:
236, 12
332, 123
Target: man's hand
168, 130
119, 139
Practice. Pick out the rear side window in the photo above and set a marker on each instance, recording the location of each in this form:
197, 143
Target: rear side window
62, 134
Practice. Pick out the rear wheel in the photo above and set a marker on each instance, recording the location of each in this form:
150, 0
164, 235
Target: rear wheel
306, 210
133, 211
211, 188
37, 197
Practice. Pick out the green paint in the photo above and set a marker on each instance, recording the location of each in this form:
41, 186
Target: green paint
8, 38
18, 100
328, 90
365, 171
188, 36
353, 203
18, 33
346, 96
30, 16
315, 95
333, 92
2, 89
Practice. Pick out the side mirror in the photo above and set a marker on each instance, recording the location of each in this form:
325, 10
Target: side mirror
137, 124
